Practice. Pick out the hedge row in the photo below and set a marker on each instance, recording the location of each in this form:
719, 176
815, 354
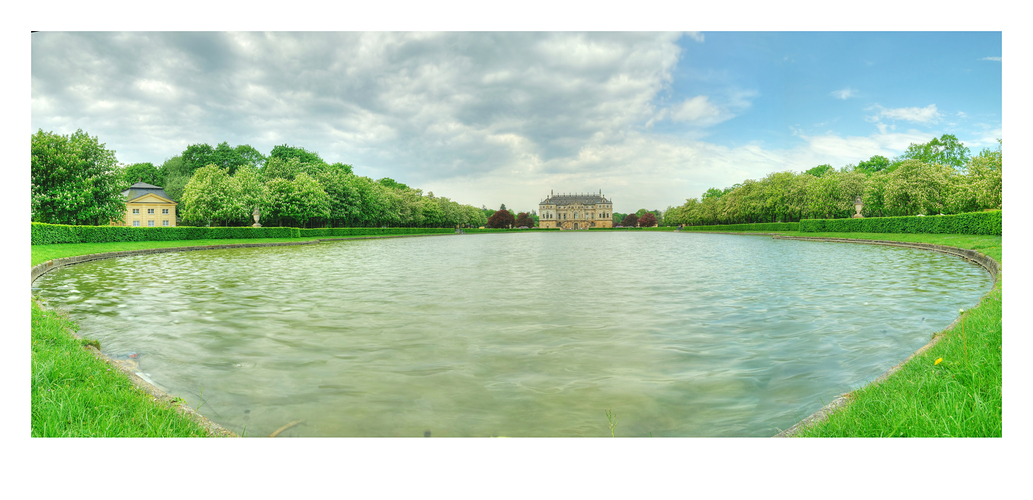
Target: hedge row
989, 223
763, 226
340, 232
472, 230
46, 234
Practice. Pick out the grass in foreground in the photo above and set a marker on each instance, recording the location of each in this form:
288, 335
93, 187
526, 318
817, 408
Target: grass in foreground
951, 390
74, 394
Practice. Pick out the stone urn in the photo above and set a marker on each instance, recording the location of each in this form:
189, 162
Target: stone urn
857, 207
256, 214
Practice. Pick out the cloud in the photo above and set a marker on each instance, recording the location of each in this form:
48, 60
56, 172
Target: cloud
928, 114
695, 35
998, 59
844, 93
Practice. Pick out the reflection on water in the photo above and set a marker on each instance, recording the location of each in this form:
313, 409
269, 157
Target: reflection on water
518, 334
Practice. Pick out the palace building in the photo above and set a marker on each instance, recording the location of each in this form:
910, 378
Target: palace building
575, 211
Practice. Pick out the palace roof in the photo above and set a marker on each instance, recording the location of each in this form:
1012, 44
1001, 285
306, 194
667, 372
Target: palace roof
569, 199
142, 188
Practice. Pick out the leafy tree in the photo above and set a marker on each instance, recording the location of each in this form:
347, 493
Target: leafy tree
874, 164
391, 183
141, 172
618, 218
279, 168
985, 172
523, 219
344, 198
211, 198
630, 220
712, 193
916, 187
819, 170
251, 191
285, 152
945, 150
503, 207
74, 180
250, 155
647, 220
175, 174
196, 156
344, 167
298, 201
229, 158
501, 219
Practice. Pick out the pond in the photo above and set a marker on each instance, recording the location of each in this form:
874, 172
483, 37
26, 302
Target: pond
527, 334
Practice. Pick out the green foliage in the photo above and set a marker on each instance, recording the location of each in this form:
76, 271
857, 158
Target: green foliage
211, 196
46, 234
391, 183
296, 202
945, 150
989, 223
74, 180
820, 170
874, 164
285, 152
141, 172
175, 174
763, 226
345, 232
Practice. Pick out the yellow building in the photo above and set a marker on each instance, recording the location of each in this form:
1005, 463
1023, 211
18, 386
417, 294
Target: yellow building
147, 206
575, 211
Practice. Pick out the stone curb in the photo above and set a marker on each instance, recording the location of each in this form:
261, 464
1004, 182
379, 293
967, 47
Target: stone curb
159, 395
992, 266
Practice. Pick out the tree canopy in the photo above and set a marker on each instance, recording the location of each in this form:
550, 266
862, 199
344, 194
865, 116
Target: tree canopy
75, 180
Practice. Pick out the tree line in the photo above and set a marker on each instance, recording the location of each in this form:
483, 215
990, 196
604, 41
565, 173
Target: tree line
932, 178
76, 180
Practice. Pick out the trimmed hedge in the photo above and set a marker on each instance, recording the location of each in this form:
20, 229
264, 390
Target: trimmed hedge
47, 234
988, 223
341, 232
762, 226
472, 230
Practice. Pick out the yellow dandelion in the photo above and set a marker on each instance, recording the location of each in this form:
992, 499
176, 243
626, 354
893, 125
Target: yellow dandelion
938, 361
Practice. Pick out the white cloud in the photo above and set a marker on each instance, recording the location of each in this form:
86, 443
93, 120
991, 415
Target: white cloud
695, 35
998, 59
699, 111
844, 93
928, 114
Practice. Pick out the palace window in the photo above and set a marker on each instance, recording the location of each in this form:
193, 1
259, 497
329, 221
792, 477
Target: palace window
165, 211
150, 223
136, 210
164, 222
150, 210
136, 223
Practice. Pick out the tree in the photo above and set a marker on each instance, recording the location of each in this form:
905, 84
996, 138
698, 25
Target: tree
285, 152
819, 170
344, 199
630, 220
874, 164
501, 219
280, 168
298, 201
945, 150
647, 220
523, 220
986, 172
196, 156
250, 155
74, 180
141, 172
211, 198
503, 207
391, 183
175, 174
916, 187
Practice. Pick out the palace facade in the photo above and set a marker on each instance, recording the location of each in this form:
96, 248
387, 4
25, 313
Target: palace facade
575, 211
147, 206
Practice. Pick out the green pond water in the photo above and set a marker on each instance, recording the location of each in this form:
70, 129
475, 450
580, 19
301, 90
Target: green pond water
533, 334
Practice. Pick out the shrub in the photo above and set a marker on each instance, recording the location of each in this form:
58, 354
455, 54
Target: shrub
988, 223
47, 234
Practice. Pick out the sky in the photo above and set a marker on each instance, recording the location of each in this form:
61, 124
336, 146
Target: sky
650, 119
